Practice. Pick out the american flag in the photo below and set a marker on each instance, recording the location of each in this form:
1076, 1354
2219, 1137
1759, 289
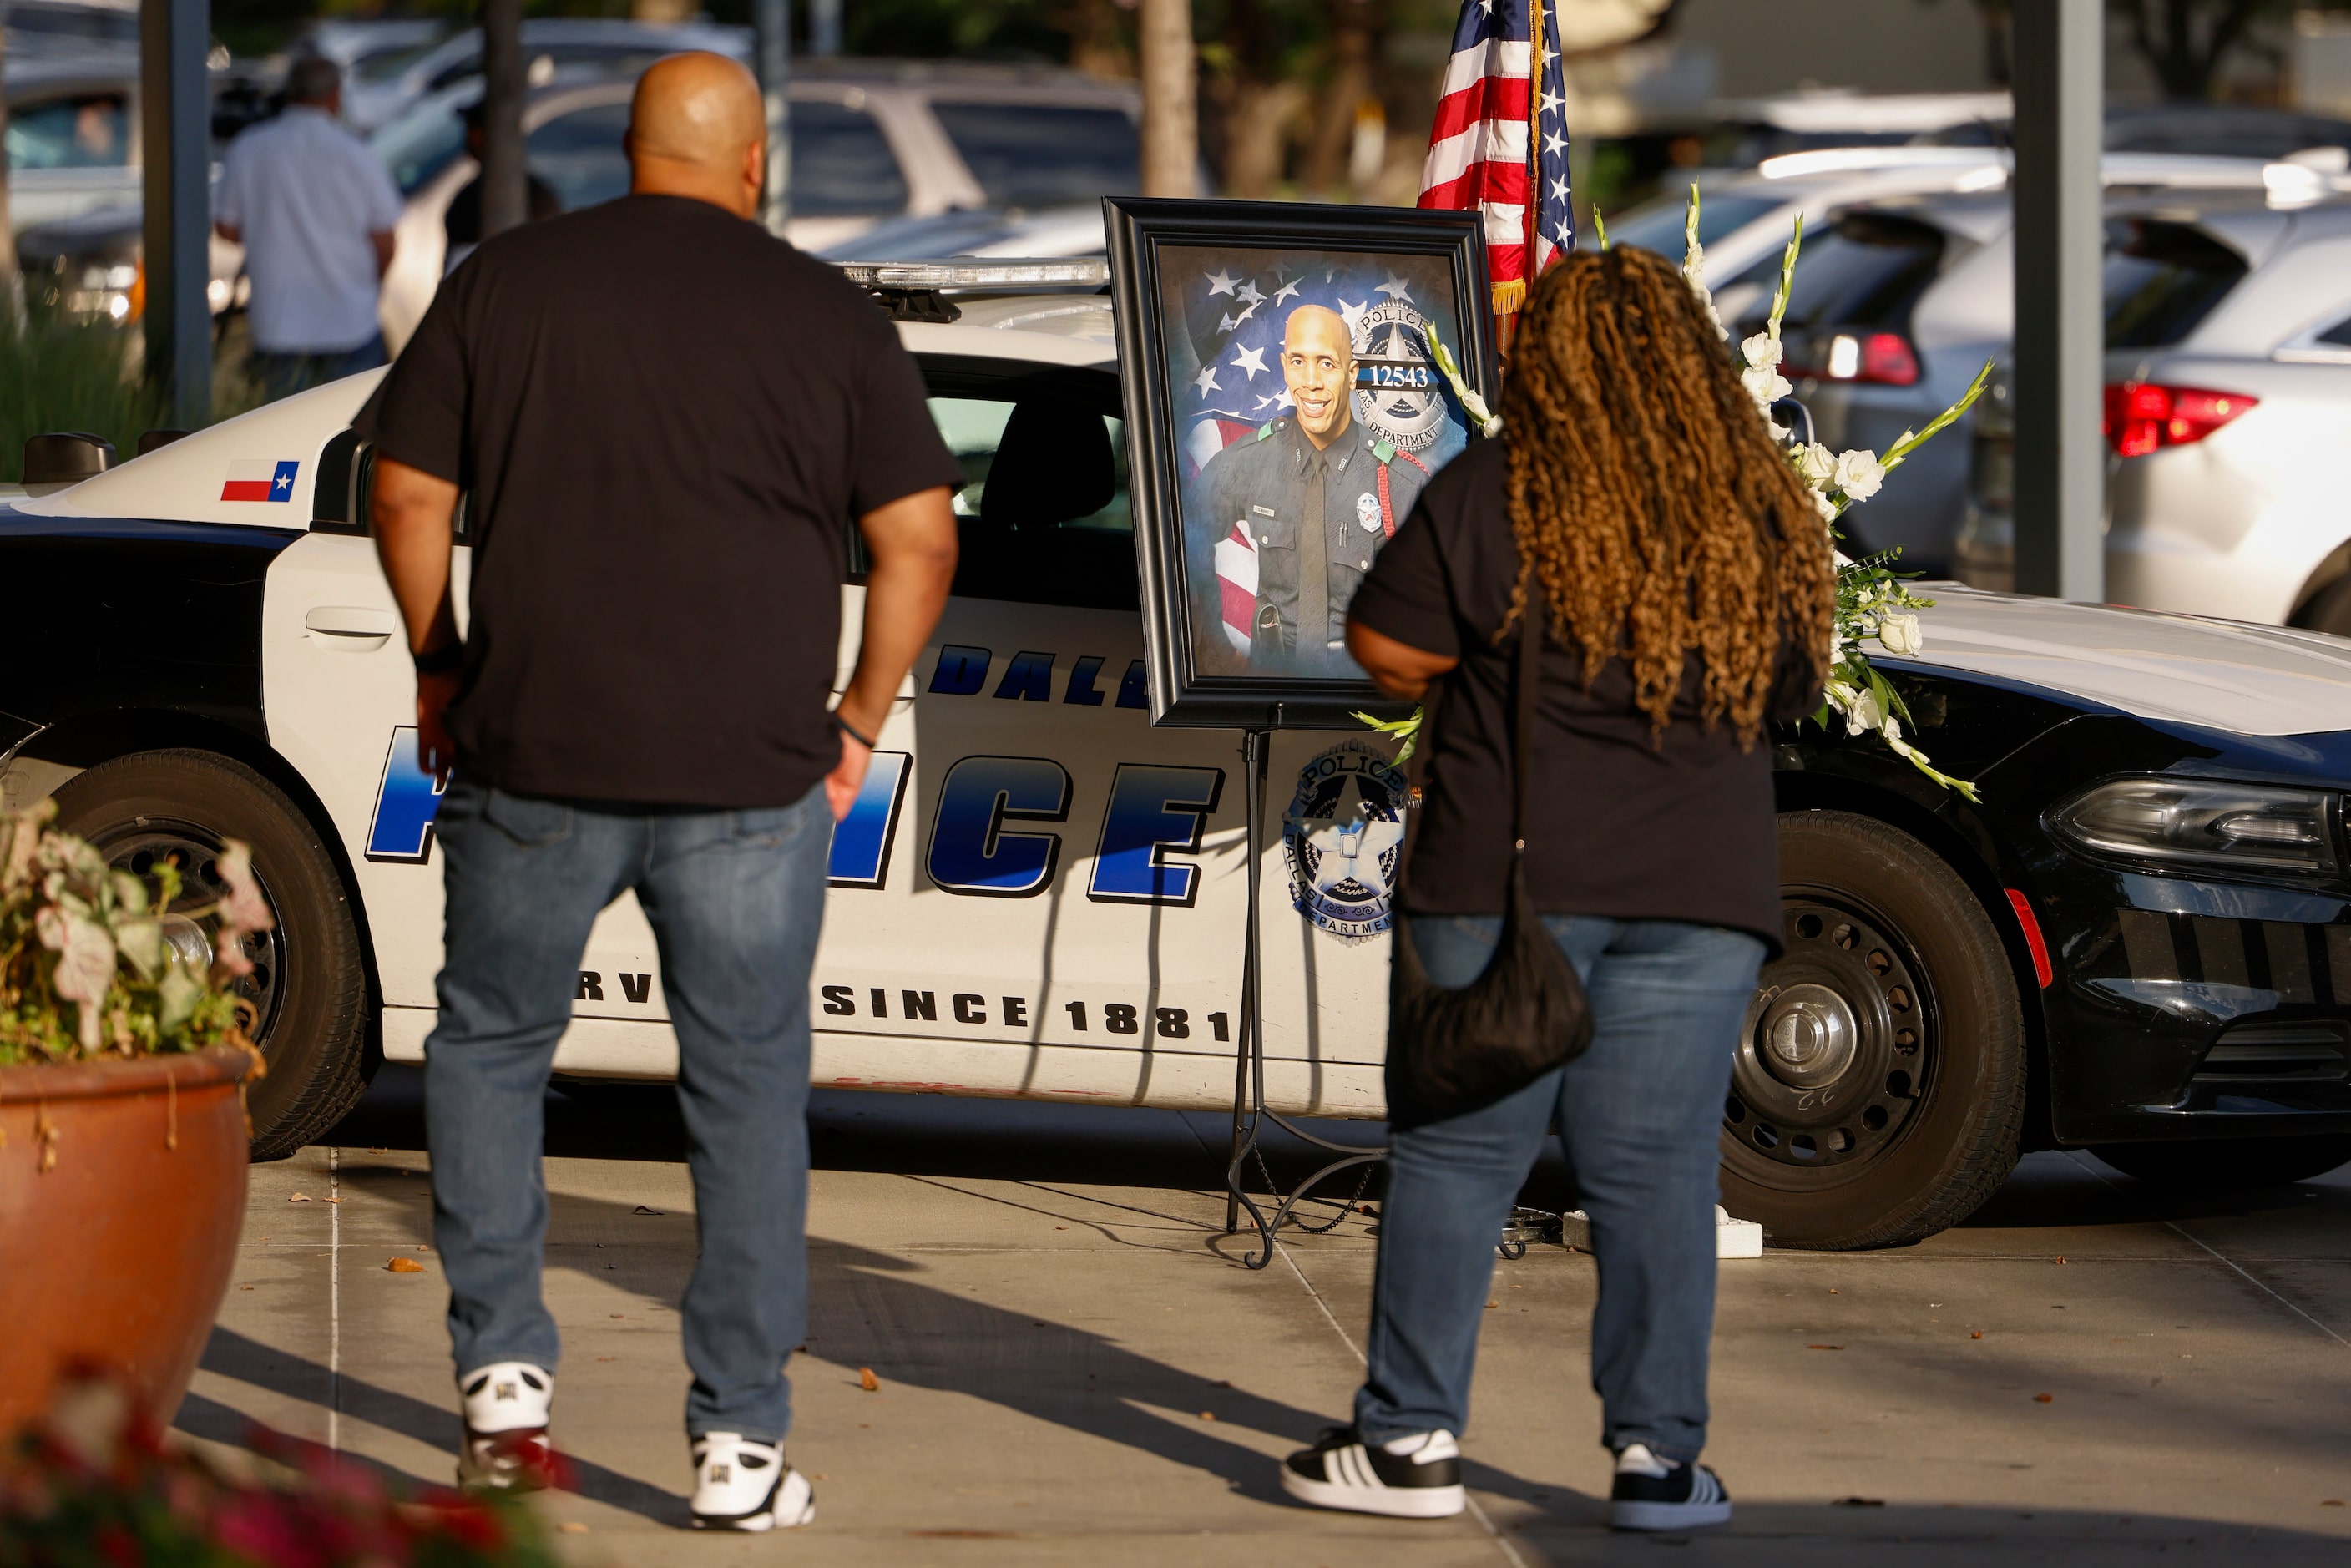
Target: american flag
1497, 148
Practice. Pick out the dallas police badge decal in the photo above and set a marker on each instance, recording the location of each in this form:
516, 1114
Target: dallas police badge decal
1343, 836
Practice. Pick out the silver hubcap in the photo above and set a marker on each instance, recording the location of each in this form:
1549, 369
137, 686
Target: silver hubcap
1808, 1035
1832, 1062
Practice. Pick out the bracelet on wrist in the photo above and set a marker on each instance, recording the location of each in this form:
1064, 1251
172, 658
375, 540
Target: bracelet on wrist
846, 728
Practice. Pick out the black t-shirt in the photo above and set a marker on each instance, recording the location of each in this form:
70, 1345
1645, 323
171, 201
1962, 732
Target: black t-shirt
666, 418
1616, 826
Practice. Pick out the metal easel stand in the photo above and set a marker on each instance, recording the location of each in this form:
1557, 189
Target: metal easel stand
1249, 1111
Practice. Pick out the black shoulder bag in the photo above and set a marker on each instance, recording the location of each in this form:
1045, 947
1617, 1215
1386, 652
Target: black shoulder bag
1451, 1052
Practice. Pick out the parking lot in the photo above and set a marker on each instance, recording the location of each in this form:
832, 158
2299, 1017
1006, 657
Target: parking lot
1073, 1367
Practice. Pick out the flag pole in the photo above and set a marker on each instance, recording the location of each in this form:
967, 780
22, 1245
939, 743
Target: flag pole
1510, 296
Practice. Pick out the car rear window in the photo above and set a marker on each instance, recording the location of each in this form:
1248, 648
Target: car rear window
1035, 154
1657, 225
86, 133
1865, 269
2339, 335
841, 164
2162, 279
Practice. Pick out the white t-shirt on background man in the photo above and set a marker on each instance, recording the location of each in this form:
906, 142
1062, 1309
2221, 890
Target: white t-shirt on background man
306, 195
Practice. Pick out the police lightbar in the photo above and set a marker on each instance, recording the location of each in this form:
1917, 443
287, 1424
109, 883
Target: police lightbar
917, 290
914, 276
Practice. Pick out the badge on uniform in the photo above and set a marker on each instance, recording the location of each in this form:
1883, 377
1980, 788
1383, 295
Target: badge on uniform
1367, 511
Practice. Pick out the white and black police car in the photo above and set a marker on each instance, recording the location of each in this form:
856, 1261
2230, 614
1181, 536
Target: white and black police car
2140, 942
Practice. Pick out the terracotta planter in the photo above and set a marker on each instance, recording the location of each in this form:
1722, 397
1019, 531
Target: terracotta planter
121, 1196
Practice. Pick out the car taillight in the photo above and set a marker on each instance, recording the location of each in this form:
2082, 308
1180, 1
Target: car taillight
1884, 357
2142, 416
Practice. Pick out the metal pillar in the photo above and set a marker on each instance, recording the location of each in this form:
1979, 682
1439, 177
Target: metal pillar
2061, 460
773, 19
824, 27
175, 112
505, 182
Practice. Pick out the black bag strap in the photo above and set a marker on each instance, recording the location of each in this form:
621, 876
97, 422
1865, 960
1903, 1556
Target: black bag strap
1522, 728
1523, 746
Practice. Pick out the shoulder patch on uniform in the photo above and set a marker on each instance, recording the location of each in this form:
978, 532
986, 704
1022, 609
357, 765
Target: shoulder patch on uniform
1384, 449
1265, 430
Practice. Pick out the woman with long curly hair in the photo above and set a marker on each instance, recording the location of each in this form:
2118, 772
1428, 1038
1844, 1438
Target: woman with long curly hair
1636, 517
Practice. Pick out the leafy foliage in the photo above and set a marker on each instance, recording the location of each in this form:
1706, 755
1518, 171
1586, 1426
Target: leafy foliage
94, 960
97, 1486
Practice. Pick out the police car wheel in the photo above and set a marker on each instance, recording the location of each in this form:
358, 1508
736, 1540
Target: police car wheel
2229, 1163
1877, 1095
308, 984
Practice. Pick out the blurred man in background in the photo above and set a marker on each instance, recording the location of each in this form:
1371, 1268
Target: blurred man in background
315, 209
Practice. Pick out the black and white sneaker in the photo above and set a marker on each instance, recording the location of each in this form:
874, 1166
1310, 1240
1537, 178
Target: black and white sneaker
1412, 1477
1651, 1494
742, 1485
506, 1445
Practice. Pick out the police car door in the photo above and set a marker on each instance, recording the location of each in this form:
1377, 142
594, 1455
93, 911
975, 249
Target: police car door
1038, 892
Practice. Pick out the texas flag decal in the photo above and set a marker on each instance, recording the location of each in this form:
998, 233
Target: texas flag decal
259, 479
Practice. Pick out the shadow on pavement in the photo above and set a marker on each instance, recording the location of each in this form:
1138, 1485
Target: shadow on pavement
229, 1353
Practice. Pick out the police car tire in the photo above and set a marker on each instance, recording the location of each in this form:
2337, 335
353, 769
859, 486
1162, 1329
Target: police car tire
2229, 1164
1960, 1137
314, 1042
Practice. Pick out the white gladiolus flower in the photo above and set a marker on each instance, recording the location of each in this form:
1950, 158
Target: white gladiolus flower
1858, 475
1817, 464
1762, 350
1863, 715
1900, 635
1764, 384
1822, 505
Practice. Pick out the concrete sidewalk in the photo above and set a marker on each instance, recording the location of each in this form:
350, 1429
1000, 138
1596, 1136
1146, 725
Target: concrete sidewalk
1077, 1370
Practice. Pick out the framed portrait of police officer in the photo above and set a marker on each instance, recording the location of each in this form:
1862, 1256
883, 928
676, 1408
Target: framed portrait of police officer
1285, 404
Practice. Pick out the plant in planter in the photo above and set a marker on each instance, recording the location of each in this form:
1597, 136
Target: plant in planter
122, 1130
95, 961
96, 1483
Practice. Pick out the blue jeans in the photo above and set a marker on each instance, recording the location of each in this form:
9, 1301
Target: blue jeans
282, 374
1640, 1113
735, 900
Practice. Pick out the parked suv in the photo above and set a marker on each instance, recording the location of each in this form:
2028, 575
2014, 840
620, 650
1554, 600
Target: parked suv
1898, 305
2227, 415
871, 140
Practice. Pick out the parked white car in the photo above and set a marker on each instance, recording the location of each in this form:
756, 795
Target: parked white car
2231, 487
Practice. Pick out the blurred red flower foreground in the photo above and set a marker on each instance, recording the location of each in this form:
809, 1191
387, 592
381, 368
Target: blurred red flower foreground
96, 1486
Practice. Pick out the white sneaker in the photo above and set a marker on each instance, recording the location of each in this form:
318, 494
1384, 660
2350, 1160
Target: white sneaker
1417, 1476
742, 1485
1652, 1494
506, 1444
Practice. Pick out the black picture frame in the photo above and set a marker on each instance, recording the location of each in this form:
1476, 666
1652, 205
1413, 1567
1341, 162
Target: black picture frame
1141, 233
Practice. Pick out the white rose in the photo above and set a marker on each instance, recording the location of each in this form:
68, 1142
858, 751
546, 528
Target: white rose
1863, 714
1900, 635
1822, 505
1817, 464
1764, 384
1762, 350
1858, 475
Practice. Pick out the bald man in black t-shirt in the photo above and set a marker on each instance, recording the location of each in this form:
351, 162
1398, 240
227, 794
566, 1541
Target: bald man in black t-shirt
666, 420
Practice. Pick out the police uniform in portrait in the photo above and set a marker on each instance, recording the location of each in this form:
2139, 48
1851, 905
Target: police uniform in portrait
1318, 515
